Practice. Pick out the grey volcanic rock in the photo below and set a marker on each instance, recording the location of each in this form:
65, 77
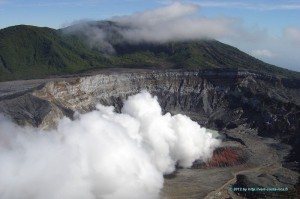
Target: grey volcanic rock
217, 99
26, 109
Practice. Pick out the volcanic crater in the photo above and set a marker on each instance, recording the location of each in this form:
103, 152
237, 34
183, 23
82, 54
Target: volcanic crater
253, 113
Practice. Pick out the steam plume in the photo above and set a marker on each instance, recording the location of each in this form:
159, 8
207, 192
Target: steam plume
101, 154
175, 22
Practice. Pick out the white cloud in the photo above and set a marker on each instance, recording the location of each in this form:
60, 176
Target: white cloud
293, 35
160, 15
174, 22
276, 7
95, 36
171, 23
261, 5
223, 4
262, 53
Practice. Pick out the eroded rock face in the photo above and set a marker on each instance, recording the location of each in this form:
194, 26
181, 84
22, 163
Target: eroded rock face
27, 109
215, 98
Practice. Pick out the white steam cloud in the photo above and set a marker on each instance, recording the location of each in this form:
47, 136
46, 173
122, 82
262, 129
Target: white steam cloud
293, 35
101, 154
94, 36
173, 22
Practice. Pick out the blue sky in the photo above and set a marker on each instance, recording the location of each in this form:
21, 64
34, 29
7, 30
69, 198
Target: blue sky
272, 28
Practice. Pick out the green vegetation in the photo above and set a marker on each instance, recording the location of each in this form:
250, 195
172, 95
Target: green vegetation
31, 52
28, 52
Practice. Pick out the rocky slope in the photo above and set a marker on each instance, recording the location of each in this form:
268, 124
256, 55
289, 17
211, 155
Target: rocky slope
241, 104
215, 98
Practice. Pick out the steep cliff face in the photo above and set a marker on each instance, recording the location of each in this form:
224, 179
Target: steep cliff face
215, 98
220, 99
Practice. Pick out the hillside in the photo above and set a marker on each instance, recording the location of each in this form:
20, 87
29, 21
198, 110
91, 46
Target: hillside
31, 52
28, 52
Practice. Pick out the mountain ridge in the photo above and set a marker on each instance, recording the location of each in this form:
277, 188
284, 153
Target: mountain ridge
29, 52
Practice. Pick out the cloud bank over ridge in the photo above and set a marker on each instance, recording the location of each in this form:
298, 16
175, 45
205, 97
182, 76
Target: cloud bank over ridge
183, 21
172, 23
175, 22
